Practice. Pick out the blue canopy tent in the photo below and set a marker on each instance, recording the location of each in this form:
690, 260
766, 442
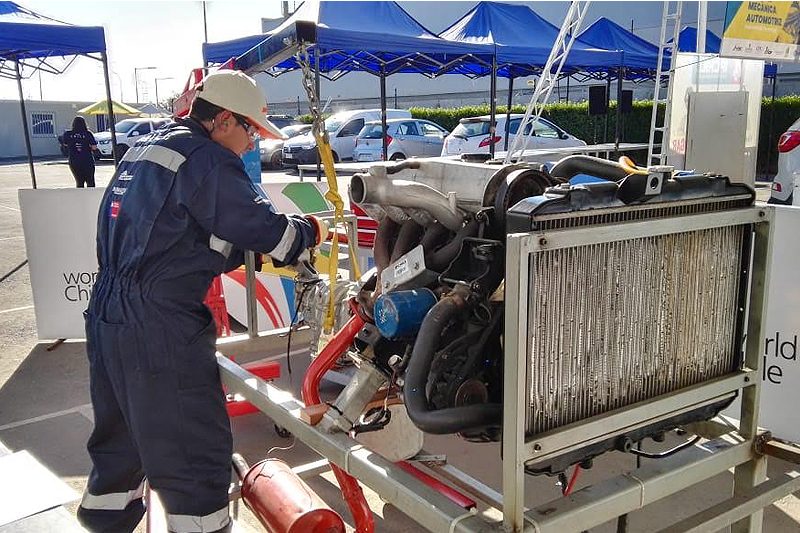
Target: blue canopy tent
523, 41
639, 57
30, 42
375, 37
687, 41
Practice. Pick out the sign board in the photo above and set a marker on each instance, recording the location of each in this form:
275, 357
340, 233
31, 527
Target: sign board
60, 226
780, 366
762, 30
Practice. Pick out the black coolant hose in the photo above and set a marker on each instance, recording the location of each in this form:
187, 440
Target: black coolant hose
573, 165
407, 238
451, 419
439, 259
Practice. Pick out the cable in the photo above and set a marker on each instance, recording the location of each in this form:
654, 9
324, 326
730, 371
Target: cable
307, 286
572, 480
672, 451
282, 448
8, 274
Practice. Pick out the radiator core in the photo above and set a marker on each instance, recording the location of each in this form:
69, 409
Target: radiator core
616, 323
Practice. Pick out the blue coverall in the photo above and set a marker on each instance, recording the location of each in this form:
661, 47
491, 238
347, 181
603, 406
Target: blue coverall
179, 211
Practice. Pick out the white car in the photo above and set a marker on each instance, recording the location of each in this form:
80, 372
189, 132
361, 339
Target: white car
342, 128
406, 138
471, 136
788, 166
128, 132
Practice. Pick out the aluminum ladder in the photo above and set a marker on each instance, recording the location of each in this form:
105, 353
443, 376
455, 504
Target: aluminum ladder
656, 148
548, 78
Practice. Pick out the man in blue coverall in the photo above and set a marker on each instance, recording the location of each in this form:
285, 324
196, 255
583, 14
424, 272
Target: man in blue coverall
179, 211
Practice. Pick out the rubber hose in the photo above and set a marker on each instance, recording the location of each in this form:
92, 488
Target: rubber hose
439, 260
451, 419
407, 238
594, 166
387, 231
435, 235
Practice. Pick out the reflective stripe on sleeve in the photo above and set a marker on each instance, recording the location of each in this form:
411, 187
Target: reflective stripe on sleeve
160, 155
283, 247
113, 501
184, 523
220, 245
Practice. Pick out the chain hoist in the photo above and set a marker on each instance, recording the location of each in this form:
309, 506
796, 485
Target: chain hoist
326, 157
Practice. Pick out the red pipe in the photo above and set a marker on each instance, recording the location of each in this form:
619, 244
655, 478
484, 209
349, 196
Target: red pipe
335, 347
449, 492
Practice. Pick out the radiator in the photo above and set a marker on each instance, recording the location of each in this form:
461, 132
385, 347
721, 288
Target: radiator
624, 320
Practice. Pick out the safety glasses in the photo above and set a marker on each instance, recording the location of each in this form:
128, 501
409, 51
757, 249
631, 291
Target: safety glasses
251, 130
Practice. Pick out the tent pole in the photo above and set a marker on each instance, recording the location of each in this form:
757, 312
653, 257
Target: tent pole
617, 130
568, 77
383, 114
508, 109
319, 102
111, 121
25, 123
608, 100
493, 106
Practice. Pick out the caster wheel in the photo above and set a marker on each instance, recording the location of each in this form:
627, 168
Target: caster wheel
282, 432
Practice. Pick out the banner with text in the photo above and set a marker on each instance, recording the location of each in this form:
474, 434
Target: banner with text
762, 30
60, 226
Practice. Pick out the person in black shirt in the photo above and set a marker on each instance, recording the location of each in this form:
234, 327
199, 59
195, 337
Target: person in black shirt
80, 146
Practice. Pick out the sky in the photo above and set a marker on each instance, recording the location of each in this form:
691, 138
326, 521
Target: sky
168, 35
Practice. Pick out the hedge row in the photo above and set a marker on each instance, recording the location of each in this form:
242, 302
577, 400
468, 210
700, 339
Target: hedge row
574, 117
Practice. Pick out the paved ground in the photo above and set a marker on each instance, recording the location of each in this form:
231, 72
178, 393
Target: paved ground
44, 403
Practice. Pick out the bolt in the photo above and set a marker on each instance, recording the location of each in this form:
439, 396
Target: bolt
537, 447
416, 266
746, 379
542, 241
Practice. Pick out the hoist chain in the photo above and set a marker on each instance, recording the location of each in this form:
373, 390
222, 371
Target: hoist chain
326, 157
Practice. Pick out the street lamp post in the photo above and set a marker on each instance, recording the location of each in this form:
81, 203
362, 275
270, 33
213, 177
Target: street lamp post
157, 80
136, 79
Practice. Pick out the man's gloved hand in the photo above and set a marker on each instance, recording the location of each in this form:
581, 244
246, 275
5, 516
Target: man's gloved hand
320, 227
304, 267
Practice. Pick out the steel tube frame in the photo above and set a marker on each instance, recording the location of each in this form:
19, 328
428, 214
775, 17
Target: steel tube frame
428, 507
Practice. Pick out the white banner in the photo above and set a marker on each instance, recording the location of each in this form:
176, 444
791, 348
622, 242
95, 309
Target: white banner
60, 226
780, 369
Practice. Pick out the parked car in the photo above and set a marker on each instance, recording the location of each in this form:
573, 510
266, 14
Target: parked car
128, 132
342, 128
272, 149
788, 166
281, 121
406, 138
472, 135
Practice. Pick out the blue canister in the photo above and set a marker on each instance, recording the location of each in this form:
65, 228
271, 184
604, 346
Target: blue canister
399, 314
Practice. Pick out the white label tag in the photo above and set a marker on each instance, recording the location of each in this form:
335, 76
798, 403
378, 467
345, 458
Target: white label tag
401, 268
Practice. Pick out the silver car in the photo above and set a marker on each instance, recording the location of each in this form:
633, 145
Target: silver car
271, 150
406, 138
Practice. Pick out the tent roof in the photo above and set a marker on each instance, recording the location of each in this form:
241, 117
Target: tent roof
687, 41
637, 53
218, 53
25, 35
353, 36
523, 39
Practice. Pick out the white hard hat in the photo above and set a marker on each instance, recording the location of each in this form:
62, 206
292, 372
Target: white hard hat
238, 93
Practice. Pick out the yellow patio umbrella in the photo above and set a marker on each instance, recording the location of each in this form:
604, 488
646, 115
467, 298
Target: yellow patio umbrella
101, 108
